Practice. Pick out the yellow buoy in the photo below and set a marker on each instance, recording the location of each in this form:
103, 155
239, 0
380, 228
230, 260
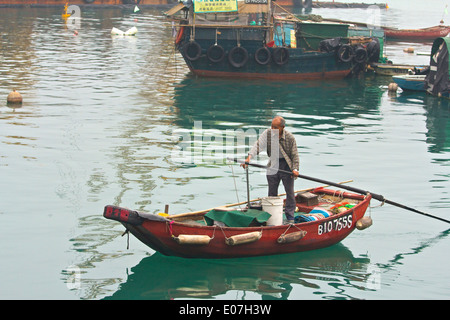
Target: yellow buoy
14, 98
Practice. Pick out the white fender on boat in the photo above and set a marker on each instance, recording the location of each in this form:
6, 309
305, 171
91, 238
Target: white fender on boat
291, 237
244, 238
192, 239
363, 223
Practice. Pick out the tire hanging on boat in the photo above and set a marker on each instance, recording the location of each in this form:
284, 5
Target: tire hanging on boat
238, 56
360, 55
263, 55
280, 55
215, 53
345, 53
192, 50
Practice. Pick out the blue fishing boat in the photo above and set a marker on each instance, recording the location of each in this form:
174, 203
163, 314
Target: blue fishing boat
258, 39
410, 82
435, 80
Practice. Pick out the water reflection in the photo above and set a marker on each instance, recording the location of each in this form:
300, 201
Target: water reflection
220, 104
274, 277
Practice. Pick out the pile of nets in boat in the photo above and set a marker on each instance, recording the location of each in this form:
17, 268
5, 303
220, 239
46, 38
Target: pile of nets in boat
319, 213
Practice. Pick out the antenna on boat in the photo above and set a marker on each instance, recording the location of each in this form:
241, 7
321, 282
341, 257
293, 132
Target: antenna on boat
248, 188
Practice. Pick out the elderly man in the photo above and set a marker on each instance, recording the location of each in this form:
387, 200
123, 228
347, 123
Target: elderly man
281, 148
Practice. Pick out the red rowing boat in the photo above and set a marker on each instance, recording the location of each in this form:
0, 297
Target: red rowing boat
189, 235
430, 33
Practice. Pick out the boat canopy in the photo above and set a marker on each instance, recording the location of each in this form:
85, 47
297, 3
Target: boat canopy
437, 81
243, 7
208, 12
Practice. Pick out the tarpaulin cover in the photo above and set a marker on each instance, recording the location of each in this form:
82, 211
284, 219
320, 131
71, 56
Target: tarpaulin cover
437, 80
237, 218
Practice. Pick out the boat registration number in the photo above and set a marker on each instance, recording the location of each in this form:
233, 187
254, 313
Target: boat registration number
337, 224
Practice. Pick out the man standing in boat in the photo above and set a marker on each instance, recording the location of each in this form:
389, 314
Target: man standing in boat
281, 148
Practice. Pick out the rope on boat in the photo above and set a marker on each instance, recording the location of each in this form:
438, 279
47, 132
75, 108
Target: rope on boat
235, 186
127, 232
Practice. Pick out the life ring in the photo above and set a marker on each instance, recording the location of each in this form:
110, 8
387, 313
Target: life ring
238, 57
345, 53
192, 50
280, 55
263, 55
179, 35
360, 55
215, 53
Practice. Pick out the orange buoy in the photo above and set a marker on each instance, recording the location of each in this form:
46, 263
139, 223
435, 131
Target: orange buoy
14, 98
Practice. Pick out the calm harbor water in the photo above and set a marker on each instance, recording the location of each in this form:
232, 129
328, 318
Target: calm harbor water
100, 124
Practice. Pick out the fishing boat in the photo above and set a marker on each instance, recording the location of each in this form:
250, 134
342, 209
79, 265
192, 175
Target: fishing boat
82, 3
258, 39
436, 81
389, 69
325, 217
410, 82
430, 33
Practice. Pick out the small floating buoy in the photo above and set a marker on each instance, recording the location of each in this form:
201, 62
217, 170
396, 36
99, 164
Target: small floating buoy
192, 239
393, 87
363, 223
409, 50
14, 98
244, 238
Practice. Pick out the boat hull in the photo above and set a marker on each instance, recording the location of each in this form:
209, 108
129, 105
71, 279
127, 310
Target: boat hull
386, 69
296, 64
159, 233
410, 82
417, 34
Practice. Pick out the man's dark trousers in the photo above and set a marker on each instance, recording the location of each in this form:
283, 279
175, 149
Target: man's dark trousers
288, 183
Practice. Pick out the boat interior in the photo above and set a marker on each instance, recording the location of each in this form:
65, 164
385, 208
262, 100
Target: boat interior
310, 206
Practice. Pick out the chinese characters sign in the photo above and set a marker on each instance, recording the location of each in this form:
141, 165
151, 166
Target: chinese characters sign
205, 6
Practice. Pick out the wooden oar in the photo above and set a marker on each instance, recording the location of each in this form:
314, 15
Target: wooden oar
193, 213
360, 191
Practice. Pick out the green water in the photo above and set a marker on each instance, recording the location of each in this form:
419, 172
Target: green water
101, 124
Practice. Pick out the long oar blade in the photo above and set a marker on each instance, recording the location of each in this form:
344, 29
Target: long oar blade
349, 188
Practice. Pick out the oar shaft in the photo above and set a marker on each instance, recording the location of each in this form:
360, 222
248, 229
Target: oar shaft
349, 188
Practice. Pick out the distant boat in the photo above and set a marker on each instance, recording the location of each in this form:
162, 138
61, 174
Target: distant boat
430, 33
410, 82
436, 81
389, 69
92, 3
257, 39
